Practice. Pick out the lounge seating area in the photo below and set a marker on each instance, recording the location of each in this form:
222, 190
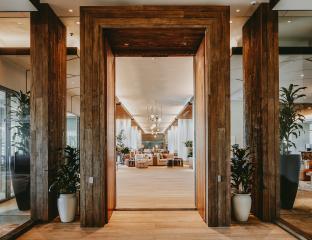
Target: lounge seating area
144, 160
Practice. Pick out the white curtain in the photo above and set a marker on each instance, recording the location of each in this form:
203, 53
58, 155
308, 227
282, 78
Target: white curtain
185, 133
136, 138
125, 125
173, 139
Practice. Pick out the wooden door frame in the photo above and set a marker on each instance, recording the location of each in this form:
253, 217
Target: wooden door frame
94, 135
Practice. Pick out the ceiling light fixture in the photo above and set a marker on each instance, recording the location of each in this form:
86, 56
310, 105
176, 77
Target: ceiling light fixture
237, 10
289, 21
78, 22
253, 3
70, 10
231, 21
126, 44
302, 75
19, 23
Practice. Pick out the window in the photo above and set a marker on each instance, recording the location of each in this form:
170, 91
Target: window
72, 130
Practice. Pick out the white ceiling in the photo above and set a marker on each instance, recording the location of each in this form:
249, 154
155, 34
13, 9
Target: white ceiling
16, 5
294, 5
142, 81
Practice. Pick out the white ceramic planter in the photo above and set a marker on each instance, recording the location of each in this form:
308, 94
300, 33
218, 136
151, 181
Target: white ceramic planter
241, 206
66, 204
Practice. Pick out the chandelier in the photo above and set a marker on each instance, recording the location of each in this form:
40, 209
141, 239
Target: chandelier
154, 115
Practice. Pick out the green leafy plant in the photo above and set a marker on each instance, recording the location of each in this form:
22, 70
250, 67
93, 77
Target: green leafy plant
189, 143
120, 142
20, 117
242, 169
290, 119
67, 178
125, 150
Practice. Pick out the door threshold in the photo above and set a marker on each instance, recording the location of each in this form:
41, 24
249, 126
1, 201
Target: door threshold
155, 209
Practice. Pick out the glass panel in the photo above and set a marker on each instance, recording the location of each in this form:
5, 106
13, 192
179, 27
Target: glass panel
3, 146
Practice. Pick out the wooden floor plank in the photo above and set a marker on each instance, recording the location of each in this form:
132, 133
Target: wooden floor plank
153, 225
155, 187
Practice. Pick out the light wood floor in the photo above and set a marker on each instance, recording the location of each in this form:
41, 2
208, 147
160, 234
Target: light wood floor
159, 187
156, 225
155, 187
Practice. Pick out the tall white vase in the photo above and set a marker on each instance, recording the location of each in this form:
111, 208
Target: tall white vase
241, 206
66, 204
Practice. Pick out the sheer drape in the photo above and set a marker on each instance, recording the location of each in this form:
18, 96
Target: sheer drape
185, 133
136, 138
173, 139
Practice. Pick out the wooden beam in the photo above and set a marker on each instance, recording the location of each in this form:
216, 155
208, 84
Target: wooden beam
24, 51
261, 93
48, 107
282, 50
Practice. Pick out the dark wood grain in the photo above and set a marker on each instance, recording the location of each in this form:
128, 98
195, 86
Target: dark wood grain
215, 21
261, 93
155, 41
26, 51
48, 107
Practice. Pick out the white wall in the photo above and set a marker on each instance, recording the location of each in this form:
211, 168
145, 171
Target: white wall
237, 122
12, 76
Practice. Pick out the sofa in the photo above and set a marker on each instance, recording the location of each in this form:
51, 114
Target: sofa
146, 157
163, 158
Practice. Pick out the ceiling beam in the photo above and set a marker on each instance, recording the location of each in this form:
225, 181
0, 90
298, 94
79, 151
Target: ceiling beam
24, 51
282, 50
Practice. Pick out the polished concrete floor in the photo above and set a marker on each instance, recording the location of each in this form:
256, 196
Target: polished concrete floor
155, 187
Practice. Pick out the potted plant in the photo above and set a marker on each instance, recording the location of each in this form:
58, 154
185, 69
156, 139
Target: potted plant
120, 145
290, 127
66, 184
242, 170
20, 162
189, 145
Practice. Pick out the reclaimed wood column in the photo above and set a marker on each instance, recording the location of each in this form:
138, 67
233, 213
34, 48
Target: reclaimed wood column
97, 126
48, 107
261, 96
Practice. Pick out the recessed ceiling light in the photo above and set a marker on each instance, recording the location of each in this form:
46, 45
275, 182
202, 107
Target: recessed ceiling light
19, 23
237, 10
78, 22
70, 10
253, 2
289, 21
302, 75
126, 44
231, 21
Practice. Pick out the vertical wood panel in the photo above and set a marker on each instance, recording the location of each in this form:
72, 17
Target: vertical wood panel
218, 117
200, 130
48, 107
261, 94
111, 158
